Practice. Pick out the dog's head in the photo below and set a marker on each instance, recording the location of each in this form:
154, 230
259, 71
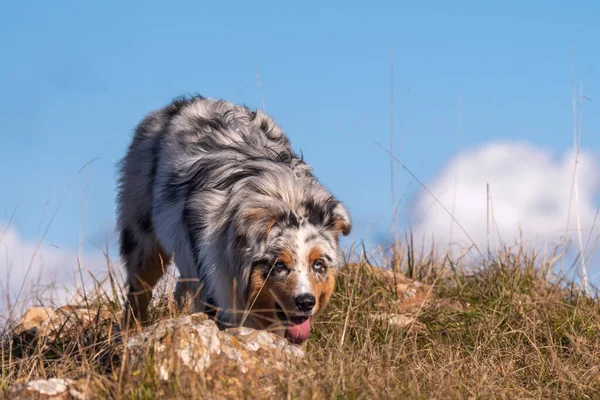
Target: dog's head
293, 277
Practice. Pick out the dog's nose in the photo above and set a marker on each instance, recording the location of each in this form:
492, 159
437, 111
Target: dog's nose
305, 302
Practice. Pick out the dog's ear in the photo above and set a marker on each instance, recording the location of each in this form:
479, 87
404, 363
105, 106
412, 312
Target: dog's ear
340, 221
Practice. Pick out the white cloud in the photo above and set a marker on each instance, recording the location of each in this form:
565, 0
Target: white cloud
53, 276
530, 191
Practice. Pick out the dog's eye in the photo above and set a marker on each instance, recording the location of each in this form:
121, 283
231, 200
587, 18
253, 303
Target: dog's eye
280, 266
319, 266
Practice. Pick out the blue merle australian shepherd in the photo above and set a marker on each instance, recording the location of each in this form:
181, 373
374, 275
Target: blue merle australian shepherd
217, 188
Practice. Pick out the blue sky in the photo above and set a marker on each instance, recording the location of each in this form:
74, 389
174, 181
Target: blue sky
76, 78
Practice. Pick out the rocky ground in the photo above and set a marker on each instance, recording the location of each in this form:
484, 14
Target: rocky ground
505, 329
190, 347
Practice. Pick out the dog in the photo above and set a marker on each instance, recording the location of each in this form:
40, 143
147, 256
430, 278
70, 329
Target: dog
216, 188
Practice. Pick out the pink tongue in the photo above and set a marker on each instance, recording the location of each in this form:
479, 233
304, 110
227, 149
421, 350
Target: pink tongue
298, 333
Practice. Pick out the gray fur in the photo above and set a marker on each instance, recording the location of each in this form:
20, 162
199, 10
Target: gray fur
191, 183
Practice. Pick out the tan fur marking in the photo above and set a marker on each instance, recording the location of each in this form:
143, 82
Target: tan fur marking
142, 282
254, 214
315, 254
341, 226
259, 303
322, 289
264, 295
286, 258
270, 225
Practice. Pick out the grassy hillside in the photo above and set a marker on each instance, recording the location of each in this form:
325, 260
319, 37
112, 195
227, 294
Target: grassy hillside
504, 327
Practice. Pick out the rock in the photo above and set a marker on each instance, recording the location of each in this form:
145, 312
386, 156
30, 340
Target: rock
35, 317
47, 331
50, 389
186, 349
49, 322
399, 321
411, 294
193, 346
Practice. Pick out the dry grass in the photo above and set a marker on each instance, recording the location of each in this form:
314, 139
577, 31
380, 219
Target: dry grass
501, 328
